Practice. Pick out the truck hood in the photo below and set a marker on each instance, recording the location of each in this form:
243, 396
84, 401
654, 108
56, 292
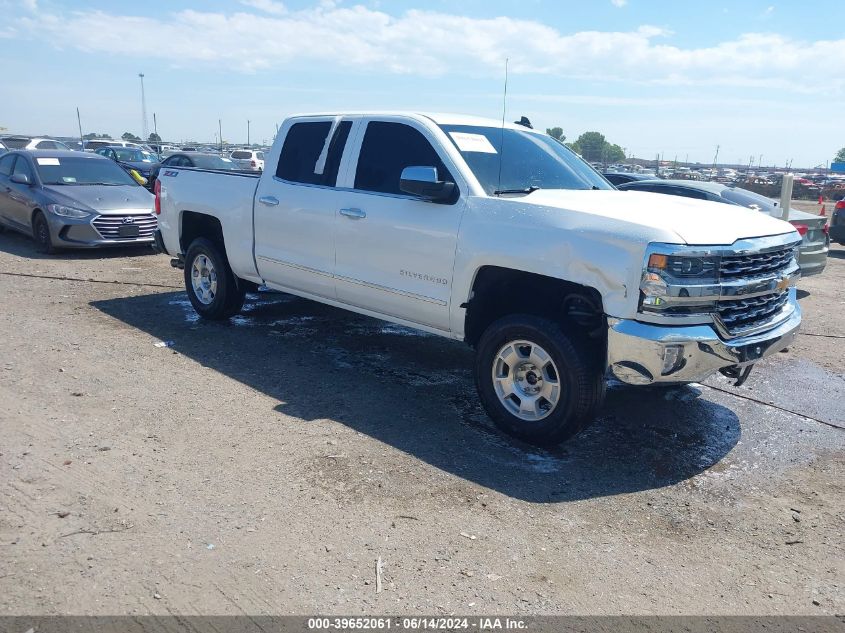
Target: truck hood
693, 221
103, 198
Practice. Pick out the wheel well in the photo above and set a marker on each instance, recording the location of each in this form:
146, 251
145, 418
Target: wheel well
498, 292
196, 225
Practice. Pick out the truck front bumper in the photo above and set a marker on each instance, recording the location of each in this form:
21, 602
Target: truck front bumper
644, 354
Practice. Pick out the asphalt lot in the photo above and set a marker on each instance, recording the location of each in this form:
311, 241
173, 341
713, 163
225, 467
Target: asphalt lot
266, 465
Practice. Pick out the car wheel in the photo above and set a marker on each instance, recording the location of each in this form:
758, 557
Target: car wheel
41, 234
535, 381
210, 283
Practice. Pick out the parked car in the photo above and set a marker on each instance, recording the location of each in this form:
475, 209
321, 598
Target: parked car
131, 158
73, 200
620, 178
3, 149
837, 223
496, 235
248, 159
815, 242
193, 160
93, 145
32, 142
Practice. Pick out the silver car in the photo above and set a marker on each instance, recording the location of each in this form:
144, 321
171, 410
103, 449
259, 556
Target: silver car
67, 199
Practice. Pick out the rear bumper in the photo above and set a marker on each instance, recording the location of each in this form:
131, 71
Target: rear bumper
813, 258
643, 354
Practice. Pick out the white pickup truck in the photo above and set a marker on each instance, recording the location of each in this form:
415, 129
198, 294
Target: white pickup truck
498, 236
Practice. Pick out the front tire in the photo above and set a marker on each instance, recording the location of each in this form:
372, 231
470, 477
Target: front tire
535, 381
41, 234
210, 283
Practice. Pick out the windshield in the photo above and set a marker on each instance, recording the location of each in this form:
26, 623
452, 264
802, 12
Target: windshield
132, 155
528, 160
750, 199
81, 171
209, 161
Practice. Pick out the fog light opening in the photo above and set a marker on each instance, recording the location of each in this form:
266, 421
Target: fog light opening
673, 359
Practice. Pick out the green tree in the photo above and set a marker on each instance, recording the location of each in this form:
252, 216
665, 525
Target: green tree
93, 135
128, 136
556, 133
840, 156
591, 145
613, 153
154, 138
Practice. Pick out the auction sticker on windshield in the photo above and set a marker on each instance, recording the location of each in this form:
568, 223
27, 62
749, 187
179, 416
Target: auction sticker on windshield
47, 161
472, 142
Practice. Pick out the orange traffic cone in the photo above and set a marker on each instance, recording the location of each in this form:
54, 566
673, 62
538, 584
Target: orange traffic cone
821, 202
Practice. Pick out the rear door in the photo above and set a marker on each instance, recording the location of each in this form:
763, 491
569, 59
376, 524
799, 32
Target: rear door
296, 205
395, 252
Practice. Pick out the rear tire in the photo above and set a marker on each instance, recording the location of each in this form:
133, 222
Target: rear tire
535, 381
41, 234
210, 283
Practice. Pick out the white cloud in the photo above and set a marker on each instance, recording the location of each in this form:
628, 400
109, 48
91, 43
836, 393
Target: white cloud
267, 6
619, 3
429, 43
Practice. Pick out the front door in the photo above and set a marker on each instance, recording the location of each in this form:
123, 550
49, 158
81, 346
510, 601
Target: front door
395, 253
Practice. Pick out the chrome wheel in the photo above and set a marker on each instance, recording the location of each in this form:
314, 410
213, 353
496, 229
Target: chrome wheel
204, 279
526, 380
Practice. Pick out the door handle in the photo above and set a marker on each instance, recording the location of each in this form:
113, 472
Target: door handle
270, 201
355, 214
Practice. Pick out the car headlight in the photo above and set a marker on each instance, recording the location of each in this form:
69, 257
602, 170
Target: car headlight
67, 212
679, 284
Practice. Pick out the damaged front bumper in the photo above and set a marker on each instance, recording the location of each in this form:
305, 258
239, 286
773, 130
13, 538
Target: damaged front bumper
644, 354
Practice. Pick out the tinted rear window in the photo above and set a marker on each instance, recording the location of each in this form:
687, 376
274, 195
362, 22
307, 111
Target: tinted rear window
241, 155
749, 199
16, 143
303, 145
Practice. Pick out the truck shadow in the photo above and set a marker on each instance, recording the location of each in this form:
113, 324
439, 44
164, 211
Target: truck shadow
415, 392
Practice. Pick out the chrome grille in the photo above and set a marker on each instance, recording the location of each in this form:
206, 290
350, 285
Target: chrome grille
109, 225
756, 264
739, 315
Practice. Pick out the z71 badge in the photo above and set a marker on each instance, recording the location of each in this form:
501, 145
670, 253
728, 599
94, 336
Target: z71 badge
171, 172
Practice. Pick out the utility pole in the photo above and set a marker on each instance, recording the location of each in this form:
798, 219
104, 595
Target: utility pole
79, 121
247, 132
155, 126
715, 160
144, 130
220, 133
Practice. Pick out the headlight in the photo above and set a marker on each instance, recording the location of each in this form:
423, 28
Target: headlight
679, 284
67, 212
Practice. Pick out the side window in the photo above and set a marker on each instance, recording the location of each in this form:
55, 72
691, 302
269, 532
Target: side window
22, 167
46, 145
387, 149
688, 193
6, 164
303, 145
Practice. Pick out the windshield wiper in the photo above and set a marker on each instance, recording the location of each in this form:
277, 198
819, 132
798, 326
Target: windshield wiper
526, 191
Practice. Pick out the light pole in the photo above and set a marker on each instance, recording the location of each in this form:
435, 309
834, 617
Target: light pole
144, 130
247, 132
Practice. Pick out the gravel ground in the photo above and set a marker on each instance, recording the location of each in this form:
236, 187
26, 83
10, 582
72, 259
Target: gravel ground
265, 466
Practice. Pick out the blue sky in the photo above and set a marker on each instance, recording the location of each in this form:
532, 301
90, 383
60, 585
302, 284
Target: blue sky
676, 78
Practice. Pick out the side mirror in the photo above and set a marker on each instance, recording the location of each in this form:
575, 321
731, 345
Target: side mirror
423, 183
21, 179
